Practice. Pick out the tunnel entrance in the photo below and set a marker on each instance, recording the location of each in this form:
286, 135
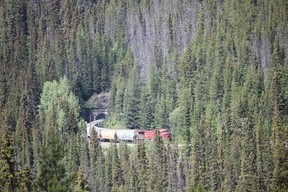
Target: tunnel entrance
100, 116
97, 114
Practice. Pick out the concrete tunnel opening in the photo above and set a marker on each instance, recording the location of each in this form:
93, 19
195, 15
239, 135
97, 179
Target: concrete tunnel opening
100, 116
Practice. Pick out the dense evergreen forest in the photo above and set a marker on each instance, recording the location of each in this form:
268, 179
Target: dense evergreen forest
214, 71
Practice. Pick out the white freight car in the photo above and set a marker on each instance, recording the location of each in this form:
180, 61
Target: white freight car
126, 135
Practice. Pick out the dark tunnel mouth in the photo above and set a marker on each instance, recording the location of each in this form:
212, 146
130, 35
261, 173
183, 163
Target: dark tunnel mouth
100, 116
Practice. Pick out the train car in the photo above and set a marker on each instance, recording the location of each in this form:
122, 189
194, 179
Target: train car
94, 125
164, 133
98, 130
108, 134
150, 134
89, 130
126, 135
140, 134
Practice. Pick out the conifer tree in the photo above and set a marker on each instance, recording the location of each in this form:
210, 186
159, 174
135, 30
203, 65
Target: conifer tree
185, 111
147, 109
73, 152
247, 179
161, 112
182, 175
94, 166
82, 184
85, 153
158, 165
25, 179
35, 144
172, 163
198, 159
116, 170
8, 180
279, 136
108, 168
52, 174
132, 100
133, 177
125, 165
171, 96
141, 167
21, 139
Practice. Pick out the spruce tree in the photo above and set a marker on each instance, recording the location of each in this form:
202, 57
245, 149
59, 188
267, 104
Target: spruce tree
94, 161
25, 179
108, 168
161, 112
116, 170
125, 165
147, 108
198, 159
8, 180
52, 172
279, 136
132, 100
133, 176
158, 165
142, 167
172, 166
82, 184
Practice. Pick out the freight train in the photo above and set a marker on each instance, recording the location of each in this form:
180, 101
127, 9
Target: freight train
106, 134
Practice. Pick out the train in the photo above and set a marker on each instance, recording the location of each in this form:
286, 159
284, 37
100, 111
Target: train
129, 135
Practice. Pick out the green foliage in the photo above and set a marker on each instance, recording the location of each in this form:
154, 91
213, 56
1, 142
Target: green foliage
158, 165
116, 169
125, 166
147, 108
7, 162
52, 174
82, 184
25, 180
97, 180
172, 166
132, 100
57, 98
141, 167
161, 113
108, 168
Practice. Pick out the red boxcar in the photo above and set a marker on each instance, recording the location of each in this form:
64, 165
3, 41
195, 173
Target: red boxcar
149, 134
164, 133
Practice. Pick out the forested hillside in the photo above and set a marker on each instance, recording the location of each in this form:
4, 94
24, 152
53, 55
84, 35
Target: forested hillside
214, 71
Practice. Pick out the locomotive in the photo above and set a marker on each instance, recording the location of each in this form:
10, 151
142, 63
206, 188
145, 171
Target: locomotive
106, 134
